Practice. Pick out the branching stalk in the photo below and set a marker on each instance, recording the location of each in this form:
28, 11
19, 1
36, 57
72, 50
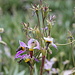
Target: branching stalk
66, 43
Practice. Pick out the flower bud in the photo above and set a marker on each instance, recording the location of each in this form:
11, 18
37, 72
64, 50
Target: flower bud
1, 30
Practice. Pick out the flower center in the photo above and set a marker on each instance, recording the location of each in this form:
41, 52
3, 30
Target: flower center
22, 48
26, 60
47, 69
31, 49
48, 41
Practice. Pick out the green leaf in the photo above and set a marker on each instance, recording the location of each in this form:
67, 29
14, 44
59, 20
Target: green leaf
36, 71
16, 70
21, 73
6, 70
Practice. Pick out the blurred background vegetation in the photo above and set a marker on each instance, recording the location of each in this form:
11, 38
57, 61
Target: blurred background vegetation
14, 12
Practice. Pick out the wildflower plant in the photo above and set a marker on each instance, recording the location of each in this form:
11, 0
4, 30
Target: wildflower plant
40, 41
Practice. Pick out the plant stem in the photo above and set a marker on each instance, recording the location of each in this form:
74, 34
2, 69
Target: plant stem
31, 67
66, 43
43, 18
49, 33
72, 54
43, 60
47, 44
40, 2
49, 30
31, 71
42, 66
38, 19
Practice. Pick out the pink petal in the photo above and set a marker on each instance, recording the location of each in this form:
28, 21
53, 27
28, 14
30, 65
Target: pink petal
30, 42
18, 54
22, 44
54, 45
38, 45
36, 59
0, 38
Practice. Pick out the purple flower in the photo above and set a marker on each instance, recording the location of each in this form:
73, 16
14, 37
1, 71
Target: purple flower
54, 70
35, 7
18, 54
50, 40
36, 59
46, 28
25, 57
33, 44
66, 62
20, 50
22, 46
48, 64
68, 72
51, 19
